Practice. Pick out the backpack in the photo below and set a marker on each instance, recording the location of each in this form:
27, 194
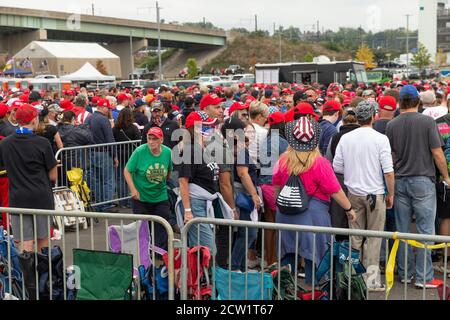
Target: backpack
293, 198
16, 276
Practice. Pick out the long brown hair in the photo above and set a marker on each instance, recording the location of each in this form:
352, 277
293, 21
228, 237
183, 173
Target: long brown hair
125, 119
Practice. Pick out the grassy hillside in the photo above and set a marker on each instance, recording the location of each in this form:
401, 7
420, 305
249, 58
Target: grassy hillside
247, 50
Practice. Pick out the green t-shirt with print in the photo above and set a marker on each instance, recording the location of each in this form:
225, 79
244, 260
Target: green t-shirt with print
150, 172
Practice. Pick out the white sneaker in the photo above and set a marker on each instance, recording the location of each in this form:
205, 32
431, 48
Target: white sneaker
408, 281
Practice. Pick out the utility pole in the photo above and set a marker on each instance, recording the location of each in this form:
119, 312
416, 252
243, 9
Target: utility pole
318, 29
204, 22
407, 40
131, 55
93, 12
256, 22
159, 40
274, 31
279, 44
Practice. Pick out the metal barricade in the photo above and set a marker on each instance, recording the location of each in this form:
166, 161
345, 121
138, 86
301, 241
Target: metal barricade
413, 240
103, 166
92, 239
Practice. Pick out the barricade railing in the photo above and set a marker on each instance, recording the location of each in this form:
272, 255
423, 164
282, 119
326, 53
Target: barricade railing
91, 239
409, 239
106, 181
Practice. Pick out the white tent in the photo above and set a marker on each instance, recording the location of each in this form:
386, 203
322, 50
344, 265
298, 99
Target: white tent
87, 73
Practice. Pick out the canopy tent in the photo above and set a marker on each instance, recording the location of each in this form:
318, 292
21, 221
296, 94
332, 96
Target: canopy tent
16, 71
87, 73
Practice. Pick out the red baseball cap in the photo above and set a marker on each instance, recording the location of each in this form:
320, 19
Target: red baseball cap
15, 105
209, 100
331, 105
69, 93
388, 103
24, 98
199, 117
104, 103
95, 99
3, 109
276, 117
155, 131
151, 91
304, 108
237, 106
26, 113
121, 97
176, 108
66, 105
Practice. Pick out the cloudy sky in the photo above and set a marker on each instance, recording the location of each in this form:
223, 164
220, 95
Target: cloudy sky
370, 14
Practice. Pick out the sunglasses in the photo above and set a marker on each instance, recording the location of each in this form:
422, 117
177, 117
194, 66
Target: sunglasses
244, 115
156, 110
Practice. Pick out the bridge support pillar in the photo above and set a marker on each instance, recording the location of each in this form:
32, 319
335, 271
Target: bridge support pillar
16, 42
123, 51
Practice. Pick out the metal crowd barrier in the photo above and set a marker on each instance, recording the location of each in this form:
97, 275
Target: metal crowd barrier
88, 236
107, 183
261, 226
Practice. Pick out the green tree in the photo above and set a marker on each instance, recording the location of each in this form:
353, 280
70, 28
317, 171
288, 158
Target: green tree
192, 67
422, 58
309, 57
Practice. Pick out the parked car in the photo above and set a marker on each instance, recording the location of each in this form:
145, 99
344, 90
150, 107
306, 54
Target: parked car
185, 83
208, 80
247, 78
155, 84
234, 69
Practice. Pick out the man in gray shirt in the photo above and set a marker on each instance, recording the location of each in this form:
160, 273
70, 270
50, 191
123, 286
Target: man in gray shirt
416, 146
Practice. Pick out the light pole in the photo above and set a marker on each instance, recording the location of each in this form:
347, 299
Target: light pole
131, 55
407, 40
159, 41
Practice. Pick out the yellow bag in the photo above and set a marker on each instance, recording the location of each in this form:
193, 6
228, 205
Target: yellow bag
75, 177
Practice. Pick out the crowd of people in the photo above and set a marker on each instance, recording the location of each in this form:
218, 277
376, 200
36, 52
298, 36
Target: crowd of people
368, 157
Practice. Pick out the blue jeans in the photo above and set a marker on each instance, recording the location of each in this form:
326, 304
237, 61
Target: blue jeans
201, 234
238, 257
102, 179
389, 227
415, 195
122, 187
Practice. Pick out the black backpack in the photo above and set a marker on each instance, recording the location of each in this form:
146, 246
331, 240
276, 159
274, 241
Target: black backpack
293, 198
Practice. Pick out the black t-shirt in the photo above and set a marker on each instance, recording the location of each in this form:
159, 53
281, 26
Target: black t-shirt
140, 118
7, 128
204, 174
28, 158
244, 160
380, 125
49, 133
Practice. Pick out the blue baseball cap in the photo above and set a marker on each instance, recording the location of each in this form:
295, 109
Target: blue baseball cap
139, 103
409, 92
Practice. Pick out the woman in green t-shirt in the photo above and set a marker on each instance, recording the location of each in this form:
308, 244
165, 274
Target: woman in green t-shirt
146, 173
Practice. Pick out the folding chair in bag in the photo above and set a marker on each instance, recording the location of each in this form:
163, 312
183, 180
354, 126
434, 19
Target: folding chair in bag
68, 200
345, 261
255, 289
103, 275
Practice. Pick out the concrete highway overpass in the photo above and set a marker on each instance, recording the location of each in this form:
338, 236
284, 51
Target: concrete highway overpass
18, 27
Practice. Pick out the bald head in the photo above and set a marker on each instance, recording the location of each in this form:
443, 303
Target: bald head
228, 92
